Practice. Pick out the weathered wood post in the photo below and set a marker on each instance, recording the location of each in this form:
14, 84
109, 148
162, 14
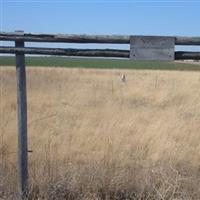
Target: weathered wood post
22, 122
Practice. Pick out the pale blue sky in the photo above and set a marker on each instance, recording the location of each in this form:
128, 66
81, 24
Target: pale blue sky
102, 17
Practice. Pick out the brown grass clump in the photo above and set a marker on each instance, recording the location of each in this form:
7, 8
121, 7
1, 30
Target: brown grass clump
96, 137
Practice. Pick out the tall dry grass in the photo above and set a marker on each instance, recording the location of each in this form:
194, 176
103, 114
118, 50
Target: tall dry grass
95, 137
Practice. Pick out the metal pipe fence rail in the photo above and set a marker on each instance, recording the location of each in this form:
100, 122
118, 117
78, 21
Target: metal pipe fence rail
141, 48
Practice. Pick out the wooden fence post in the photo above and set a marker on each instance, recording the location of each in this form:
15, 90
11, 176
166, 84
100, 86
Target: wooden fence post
22, 123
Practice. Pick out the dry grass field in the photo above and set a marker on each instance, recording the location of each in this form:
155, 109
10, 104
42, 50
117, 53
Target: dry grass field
96, 137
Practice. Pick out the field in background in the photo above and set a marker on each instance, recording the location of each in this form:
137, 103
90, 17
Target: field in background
95, 137
99, 63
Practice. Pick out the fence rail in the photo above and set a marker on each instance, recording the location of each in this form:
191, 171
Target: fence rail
69, 38
145, 46
68, 52
187, 55
75, 38
179, 55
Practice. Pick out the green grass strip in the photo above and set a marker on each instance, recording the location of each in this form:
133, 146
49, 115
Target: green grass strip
98, 63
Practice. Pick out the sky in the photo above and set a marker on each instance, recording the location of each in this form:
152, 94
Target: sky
129, 17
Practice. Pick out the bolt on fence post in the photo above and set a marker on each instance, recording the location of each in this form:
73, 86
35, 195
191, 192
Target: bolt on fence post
22, 122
